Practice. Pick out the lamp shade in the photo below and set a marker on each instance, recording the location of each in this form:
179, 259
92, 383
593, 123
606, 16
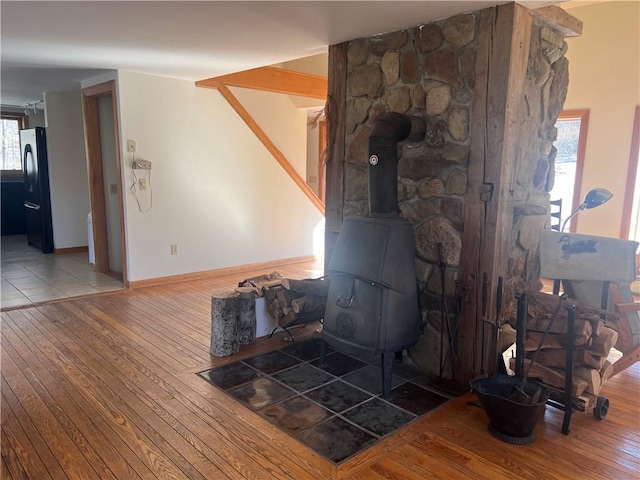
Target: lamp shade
596, 197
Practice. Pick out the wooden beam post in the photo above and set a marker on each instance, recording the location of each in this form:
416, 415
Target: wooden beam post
335, 110
501, 67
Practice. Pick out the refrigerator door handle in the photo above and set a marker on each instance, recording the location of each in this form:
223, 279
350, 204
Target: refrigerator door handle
32, 206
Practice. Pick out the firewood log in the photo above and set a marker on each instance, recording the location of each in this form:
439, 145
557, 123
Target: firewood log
602, 343
582, 403
581, 327
606, 371
318, 287
304, 304
557, 357
541, 304
287, 320
246, 315
551, 376
552, 340
224, 323
589, 375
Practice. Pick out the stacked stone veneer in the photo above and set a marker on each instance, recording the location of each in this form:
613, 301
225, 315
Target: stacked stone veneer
429, 71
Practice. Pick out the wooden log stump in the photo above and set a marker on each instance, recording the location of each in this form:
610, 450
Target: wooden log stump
224, 323
246, 315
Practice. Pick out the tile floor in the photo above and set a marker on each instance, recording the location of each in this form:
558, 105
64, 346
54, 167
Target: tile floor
29, 276
335, 408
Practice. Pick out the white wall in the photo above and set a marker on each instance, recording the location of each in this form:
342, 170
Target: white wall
604, 77
36, 119
217, 193
315, 64
281, 120
67, 169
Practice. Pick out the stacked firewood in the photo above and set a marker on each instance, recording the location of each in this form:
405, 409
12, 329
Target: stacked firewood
293, 302
595, 333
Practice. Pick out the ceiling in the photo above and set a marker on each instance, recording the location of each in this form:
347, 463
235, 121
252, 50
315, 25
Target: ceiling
51, 46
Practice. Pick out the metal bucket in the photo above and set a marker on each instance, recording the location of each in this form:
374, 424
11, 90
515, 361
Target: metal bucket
510, 420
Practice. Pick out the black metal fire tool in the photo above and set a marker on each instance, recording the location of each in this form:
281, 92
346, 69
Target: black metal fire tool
444, 315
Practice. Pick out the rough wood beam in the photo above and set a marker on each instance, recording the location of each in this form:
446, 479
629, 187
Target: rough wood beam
271, 79
271, 147
336, 111
560, 20
501, 65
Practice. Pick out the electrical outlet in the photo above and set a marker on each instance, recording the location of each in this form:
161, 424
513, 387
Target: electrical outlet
131, 146
174, 249
142, 183
113, 188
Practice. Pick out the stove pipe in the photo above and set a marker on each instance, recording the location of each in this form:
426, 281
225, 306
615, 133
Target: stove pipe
387, 131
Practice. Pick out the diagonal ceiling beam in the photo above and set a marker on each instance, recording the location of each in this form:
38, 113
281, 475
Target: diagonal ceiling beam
271, 147
271, 79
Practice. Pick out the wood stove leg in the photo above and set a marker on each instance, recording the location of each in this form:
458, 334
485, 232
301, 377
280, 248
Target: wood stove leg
323, 351
387, 368
399, 356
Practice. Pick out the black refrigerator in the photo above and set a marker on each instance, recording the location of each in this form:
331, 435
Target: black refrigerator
37, 204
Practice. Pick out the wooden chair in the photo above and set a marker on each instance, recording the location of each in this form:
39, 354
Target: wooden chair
556, 214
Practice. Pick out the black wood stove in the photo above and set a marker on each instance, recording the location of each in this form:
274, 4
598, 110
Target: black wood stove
372, 306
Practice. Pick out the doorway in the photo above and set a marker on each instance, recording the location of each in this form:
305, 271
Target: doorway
99, 105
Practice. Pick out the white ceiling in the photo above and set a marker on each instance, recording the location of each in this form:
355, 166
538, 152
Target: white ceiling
52, 45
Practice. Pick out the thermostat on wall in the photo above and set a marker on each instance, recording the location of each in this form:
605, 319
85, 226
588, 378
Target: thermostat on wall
142, 165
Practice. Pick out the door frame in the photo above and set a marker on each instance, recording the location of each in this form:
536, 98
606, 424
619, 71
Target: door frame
93, 144
632, 171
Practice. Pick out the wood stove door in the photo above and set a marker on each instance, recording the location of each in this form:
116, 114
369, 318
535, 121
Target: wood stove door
353, 316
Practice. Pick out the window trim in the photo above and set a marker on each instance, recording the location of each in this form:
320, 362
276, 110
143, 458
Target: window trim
629, 191
22, 124
583, 116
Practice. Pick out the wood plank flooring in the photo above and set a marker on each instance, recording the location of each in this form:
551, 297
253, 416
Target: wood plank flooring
103, 387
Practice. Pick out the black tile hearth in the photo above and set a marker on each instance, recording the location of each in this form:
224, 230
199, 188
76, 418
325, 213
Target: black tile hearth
415, 399
295, 414
272, 362
335, 408
338, 396
307, 350
369, 378
379, 417
338, 364
303, 377
260, 392
230, 375
336, 439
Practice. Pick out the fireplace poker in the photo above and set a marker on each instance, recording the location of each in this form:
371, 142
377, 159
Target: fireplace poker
485, 318
444, 315
498, 324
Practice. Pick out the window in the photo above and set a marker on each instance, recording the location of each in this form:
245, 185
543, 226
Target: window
570, 143
10, 155
631, 210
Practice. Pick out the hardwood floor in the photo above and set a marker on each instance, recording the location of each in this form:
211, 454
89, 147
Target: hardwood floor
104, 387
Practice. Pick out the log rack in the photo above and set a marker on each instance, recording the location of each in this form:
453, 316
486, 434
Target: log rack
560, 399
